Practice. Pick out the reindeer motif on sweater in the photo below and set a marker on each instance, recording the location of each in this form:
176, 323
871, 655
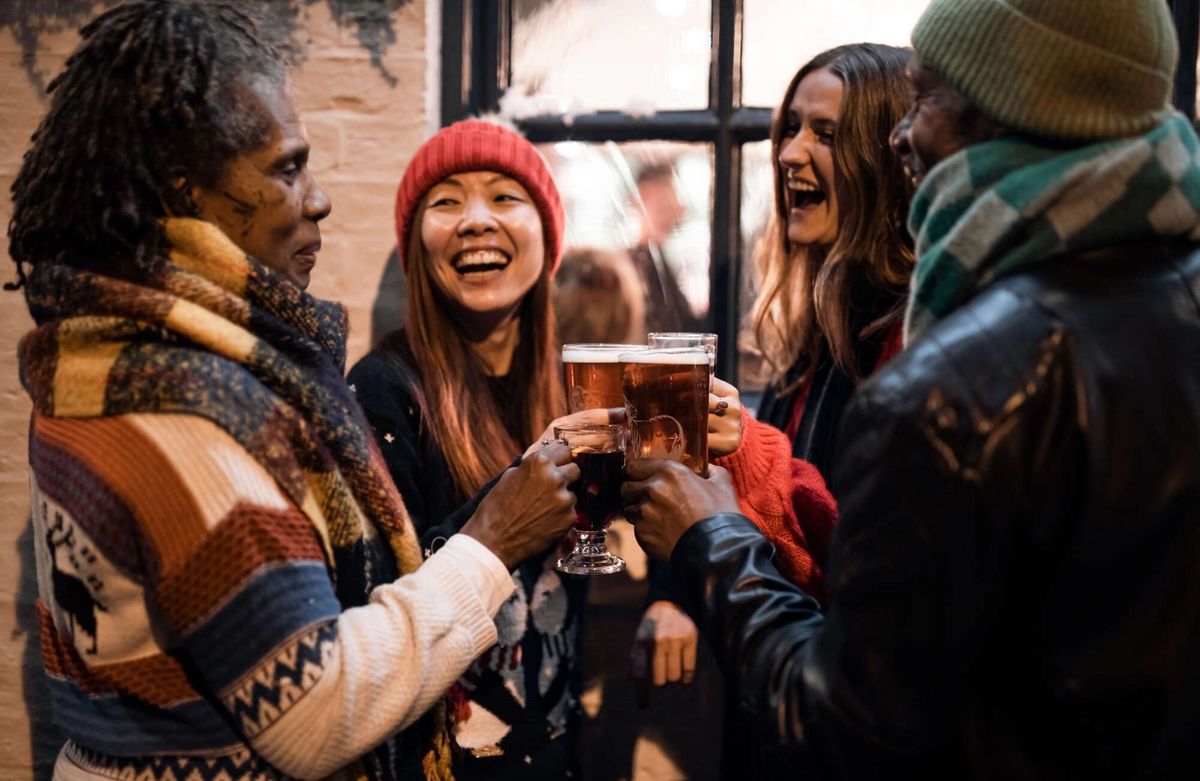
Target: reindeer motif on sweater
75, 597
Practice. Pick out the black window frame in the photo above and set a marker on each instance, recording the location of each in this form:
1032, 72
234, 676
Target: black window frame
476, 70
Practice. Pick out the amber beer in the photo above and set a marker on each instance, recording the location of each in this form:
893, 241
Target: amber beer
592, 375
666, 395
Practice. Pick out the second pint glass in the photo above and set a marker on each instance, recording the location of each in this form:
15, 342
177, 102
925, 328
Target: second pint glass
666, 395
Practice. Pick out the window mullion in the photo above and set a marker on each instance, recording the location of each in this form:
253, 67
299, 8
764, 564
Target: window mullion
1187, 25
490, 47
456, 68
691, 126
725, 91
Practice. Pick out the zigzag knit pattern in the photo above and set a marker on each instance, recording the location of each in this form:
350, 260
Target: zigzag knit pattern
257, 702
241, 765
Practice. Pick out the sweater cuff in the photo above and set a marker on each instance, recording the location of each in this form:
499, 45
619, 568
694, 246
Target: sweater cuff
480, 568
750, 465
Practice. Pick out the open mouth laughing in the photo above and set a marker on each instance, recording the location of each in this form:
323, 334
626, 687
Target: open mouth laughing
805, 195
481, 261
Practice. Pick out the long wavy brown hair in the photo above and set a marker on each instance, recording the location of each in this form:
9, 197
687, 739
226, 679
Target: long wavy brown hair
457, 403
806, 293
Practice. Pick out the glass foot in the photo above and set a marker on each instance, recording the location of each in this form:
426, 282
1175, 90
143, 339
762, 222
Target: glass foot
590, 557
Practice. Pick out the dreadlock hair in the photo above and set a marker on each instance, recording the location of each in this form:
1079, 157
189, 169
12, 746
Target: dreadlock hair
157, 93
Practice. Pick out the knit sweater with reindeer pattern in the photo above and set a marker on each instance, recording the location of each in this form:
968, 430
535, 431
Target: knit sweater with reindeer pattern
229, 584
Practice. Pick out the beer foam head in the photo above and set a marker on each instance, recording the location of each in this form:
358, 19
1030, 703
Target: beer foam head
673, 356
596, 353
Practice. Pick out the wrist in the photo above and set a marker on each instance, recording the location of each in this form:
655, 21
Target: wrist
479, 528
657, 605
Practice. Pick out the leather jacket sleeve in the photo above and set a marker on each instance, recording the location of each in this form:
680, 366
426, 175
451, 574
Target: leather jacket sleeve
757, 623
882, 684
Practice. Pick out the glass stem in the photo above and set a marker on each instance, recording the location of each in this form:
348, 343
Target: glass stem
590, 539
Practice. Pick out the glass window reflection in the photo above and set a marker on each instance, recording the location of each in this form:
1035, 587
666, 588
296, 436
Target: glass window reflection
638, 237
638, 56
778, 36
757, 191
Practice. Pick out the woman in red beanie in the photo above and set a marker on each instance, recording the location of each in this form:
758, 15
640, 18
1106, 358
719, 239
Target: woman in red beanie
458, 393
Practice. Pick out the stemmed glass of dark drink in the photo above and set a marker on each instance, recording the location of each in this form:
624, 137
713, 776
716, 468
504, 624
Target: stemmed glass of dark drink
599, 452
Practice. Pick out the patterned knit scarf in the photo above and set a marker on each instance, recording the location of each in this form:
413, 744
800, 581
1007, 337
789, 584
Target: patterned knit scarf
1005, 205
213, 333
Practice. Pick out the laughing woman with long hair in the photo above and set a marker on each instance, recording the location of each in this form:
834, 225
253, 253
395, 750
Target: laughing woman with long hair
835, 265
833, 271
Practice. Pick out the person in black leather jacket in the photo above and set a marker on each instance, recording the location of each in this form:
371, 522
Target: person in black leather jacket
1013, 583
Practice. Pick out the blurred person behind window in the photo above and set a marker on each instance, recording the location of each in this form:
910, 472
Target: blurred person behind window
598, 297
660, 212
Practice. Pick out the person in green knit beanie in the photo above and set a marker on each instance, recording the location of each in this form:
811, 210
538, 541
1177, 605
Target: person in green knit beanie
1012, 584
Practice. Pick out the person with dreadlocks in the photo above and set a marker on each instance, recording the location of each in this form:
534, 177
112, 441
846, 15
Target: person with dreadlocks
230, 584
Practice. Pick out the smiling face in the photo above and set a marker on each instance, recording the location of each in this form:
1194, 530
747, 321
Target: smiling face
483, 242
806, 159
266, 200
940, 122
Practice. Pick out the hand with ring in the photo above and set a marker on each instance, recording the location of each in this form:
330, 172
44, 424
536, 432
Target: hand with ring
724, 419
600, 416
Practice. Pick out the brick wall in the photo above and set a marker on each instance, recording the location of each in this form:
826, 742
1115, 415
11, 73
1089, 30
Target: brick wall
363, 127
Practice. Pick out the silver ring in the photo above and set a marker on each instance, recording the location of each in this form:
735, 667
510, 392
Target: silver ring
545, 442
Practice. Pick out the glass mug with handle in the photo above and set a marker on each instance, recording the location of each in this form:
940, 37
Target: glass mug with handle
592, 375
599, 452
666, 401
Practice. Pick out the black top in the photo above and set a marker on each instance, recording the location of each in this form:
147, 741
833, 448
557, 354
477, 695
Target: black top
829, 388
522, 695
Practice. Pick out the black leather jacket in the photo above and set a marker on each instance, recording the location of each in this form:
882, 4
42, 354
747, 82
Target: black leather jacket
1015, 583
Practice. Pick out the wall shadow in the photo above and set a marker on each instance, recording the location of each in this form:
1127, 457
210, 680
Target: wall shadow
45, 739
391, 300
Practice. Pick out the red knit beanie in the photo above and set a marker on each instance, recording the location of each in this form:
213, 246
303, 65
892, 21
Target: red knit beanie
474, 145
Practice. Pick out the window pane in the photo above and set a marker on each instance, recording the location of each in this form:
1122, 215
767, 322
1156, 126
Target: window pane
756, 215
778, 36
638, 238
577, 56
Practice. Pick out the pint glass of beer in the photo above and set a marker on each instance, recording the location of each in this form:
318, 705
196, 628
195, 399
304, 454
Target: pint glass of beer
666, 398
592, 375
599, 452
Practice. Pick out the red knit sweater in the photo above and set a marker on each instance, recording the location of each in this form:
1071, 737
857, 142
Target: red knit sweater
787, 500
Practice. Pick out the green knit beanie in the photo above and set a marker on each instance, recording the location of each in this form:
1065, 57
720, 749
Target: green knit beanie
1069, 69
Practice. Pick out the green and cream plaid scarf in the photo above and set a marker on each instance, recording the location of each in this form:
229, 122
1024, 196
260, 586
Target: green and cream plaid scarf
1004, 205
